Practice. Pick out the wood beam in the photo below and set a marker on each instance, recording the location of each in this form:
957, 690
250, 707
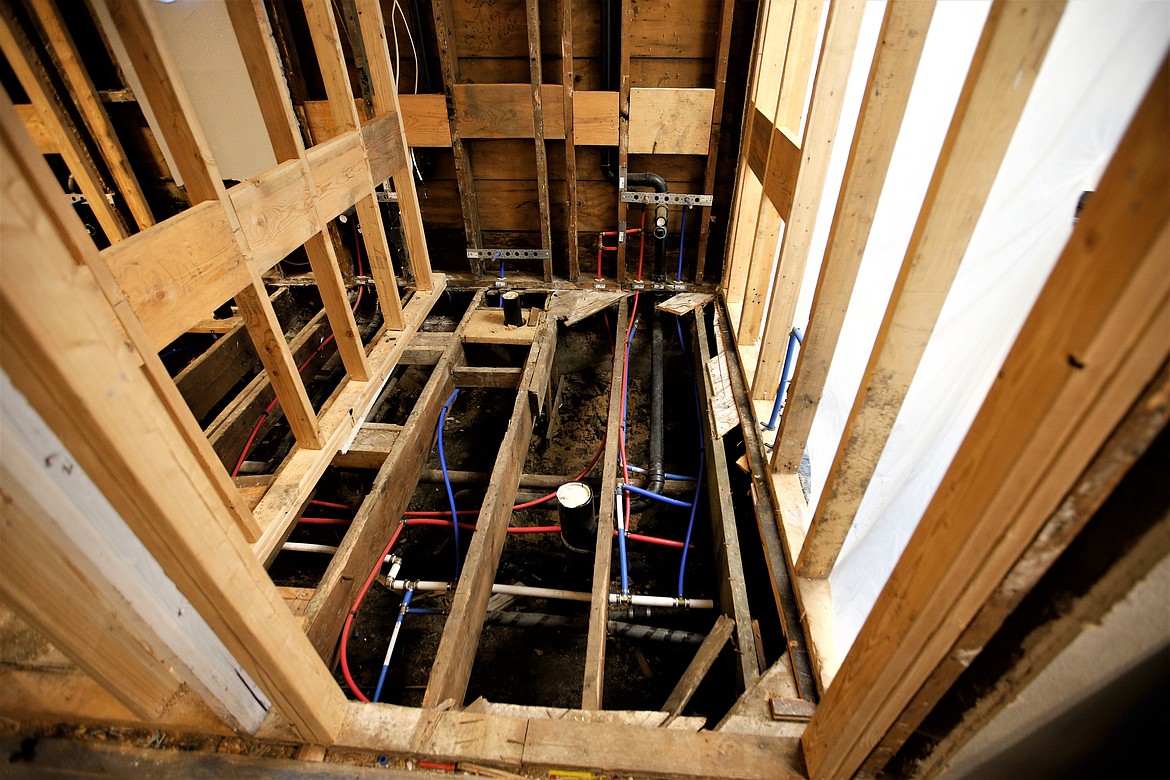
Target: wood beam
66, 555
449, 62
623, 158
592, 689
722, 55
119, 426
697, 669
33, 77
452, 667
566, 14
1011, 50
733, 598
808, 181
891, 76
532, 15
381, 511
386, 104
335, 73
1095, 338
93, 111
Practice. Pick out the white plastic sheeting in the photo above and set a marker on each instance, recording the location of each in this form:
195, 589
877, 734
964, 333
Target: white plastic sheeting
1099, 65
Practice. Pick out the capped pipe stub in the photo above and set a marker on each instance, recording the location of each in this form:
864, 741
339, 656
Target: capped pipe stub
513, 316
577, 515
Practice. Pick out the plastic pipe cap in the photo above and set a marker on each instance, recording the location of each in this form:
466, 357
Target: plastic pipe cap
573, 495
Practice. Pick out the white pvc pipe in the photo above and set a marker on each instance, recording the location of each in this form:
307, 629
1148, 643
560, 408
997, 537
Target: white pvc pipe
563, 595
326, 549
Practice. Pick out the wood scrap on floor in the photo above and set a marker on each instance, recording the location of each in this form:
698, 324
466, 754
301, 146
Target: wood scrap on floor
684, 302
572, 306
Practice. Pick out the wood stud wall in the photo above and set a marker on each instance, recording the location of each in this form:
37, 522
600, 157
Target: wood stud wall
142, 447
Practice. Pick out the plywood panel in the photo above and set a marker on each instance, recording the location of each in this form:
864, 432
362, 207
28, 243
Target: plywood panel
670, 121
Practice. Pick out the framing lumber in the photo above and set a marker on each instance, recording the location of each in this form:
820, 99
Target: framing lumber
183, 135
773, 27
623, 139
733, 598
532, 15
32, 74
1133, 437
1094, 340
120, 428
449, 63
801, 609
386, 104
891, 76
254, 35
369, 450
335, 74
62, 537
722, 55
566, 19
453, 661
381, 510
592, 688
93, 111
342, 415
1014, 42
807, 181
699, 666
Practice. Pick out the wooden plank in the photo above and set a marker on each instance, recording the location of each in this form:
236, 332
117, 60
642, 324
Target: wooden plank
1040, 426
382, 138
989, 107
370, 448
82, 576
623, 158
721, 59
377, 518
591, 694
33, 77
670, 121
1130, 442
120, 428
339, 172
424, 117
487, 327
171, 291
342, 415
532, 15
888, 89
449, 63
335, 74
276, 211
566, 20
803, 173
500, 378
733, 598
453, 661
93, 111
388, 110
604, 747
697, 670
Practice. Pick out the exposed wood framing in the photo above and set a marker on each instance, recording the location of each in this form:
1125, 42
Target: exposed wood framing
724, 52
891, 75
566, 19
532, 15
62, 537
1144, 422
381, 510
732, 587
708, 652
119, 426
592, 689
452, 667
623, 140
386, 104
449, 62
1093, 341
1011, 50
32, 74
89, 104
335, 73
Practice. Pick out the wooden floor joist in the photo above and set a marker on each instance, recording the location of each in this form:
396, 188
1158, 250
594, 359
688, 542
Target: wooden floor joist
594, 682
452, 667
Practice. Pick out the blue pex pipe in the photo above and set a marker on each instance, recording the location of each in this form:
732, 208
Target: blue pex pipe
794, 337
664, 499
393, 640
622, 531
682, 242
447, 481
682, 566
668, 475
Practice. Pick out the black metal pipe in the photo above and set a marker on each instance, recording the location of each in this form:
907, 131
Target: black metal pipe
655, 471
